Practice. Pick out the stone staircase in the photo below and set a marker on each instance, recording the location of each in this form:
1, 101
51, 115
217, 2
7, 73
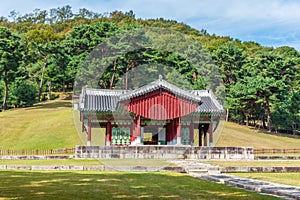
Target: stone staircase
195, 168
213, 173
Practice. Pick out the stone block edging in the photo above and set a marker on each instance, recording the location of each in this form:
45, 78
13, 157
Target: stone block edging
35, 157
259, 169
92, 168
276, 157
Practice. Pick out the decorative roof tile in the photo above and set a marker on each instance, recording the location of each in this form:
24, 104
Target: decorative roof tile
104, 100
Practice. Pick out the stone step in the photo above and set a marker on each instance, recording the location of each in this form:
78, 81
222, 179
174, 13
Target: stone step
201, 171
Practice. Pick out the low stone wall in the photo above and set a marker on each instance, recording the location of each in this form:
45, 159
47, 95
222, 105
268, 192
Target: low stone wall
164, 152
260, 169
35, 157
93, 168
277, 157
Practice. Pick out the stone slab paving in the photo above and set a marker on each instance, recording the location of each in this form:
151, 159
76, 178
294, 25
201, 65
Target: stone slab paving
281, 190
285, 191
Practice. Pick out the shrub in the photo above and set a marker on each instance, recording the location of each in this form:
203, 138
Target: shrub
22, 94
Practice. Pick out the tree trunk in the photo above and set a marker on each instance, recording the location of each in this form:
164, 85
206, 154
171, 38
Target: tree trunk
227, 115
247, 120
111, 81
42, 78
264, 123
4, 105
269, 116
113, 75
64, 87
49, 91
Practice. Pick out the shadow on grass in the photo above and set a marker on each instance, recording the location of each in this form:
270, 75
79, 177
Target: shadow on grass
51, 105
113, 185
236, 126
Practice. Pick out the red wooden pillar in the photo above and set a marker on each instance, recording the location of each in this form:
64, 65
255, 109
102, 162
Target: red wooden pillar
192, 133
168, 133
132, 132
172, 131
210, 130
89, 136
178, 130
205, 130
200, 128
108, 133
138, 128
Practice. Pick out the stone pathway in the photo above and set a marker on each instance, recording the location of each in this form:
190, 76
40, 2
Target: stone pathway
212, 173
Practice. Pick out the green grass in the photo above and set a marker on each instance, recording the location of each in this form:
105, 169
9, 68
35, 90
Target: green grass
114, 185
283, 178
239, 135
50, 125
47, 125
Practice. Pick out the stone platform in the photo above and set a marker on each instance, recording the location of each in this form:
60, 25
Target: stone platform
164, 152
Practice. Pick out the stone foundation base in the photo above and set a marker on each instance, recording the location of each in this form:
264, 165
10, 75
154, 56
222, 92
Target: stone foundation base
164, 152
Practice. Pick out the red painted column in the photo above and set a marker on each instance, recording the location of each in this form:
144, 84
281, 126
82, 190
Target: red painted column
178, 130
108, 133
132, 132
138, 128
192, 133
170, 131
169, 109
210, 130
167, 133
89, 136
200, 134
205, 130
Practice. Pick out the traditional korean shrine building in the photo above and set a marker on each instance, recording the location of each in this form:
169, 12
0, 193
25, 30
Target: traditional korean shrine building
158, 113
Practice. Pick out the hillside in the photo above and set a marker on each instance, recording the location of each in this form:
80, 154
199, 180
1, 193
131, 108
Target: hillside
239, 135
50, 125
43, 126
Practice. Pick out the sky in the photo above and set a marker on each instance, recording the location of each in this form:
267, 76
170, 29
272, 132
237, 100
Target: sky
269, 22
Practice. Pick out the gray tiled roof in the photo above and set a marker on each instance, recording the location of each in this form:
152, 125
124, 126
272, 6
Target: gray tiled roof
210, 104
101, 100
161, 84
104, 100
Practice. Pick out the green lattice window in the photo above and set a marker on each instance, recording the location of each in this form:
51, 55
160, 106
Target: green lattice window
120, 136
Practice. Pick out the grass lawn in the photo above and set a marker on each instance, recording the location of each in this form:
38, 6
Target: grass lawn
239, 135
256, 163
114, 185
284, 178
46, 125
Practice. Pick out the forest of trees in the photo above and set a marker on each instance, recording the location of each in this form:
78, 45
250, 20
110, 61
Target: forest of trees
41, 52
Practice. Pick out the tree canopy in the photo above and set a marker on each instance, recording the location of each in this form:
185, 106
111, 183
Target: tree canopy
45, 49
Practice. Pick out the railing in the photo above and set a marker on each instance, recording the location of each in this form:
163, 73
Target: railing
42, 152
277, 151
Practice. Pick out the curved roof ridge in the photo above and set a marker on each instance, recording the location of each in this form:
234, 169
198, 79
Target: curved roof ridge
113, 92
157, 84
